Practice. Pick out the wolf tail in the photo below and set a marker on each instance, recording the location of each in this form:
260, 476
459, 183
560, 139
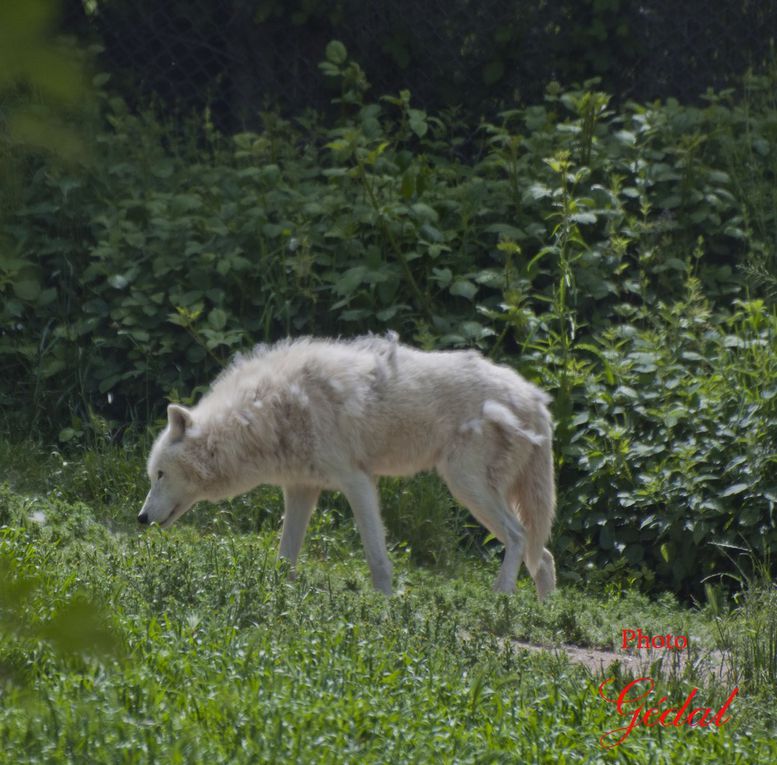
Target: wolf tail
534, 494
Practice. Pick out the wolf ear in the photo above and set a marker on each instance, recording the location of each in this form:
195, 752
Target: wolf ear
179, 420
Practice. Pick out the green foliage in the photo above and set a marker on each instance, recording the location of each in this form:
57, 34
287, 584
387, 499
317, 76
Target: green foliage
141, 275
215, 656
754, 650
420, 514
54, 620
674, 444
42, 84
621, 258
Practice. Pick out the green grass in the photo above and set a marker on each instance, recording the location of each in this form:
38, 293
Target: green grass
193, 646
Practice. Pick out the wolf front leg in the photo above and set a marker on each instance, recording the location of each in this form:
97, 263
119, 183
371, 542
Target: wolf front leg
359, 489
298, 503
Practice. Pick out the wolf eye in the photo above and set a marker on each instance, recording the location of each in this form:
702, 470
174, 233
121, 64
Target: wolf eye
159, 475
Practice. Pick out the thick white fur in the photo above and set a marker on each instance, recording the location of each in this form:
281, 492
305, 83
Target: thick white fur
313, 414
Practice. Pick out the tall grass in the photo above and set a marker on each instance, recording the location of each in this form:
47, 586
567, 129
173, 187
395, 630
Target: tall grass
194, 646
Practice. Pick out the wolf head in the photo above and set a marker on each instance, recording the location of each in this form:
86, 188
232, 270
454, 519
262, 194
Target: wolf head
176, 484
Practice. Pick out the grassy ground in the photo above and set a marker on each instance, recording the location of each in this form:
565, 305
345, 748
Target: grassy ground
193, 646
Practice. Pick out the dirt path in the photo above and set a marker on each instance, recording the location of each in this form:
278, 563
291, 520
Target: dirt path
647, 662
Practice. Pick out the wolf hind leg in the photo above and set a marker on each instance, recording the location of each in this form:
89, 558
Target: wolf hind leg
362, 495
299, 503
492, 510
543, 573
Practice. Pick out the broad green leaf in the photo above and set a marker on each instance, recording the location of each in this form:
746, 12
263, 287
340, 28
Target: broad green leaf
464, 288
336, 52
736, 488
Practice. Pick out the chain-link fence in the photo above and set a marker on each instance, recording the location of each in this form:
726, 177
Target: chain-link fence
242, 56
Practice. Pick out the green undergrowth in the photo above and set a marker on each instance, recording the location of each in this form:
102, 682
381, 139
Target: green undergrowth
620, 258
665, 458
193, 646
138, 271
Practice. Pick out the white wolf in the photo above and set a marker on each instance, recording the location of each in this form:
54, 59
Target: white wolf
313, 414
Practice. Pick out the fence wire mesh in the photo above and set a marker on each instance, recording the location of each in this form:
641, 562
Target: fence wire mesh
242, 56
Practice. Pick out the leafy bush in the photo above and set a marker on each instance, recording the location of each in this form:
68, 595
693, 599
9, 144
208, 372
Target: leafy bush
671, 465
142, 273
570, 239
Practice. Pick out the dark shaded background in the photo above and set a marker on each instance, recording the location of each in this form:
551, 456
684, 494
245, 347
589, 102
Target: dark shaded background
241, 56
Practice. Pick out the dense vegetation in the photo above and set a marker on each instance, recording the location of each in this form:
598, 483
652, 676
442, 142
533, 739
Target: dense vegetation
623, 259
192, 646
